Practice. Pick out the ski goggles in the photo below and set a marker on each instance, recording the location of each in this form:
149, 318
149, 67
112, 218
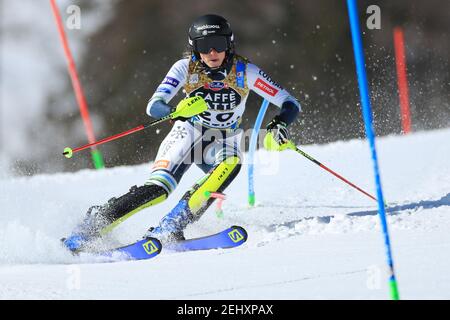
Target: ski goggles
205, 45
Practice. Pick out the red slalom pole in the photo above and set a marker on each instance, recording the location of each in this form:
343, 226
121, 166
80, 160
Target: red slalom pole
295, 148
402, 80
79, 93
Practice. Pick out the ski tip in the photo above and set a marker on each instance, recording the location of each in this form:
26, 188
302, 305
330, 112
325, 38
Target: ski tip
152, 246
141, 250
238, 234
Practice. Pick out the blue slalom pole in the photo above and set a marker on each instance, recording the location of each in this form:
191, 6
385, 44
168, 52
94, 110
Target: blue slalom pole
368, 121
251, 152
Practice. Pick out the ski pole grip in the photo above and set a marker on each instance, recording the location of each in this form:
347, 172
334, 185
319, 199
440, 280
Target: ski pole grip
190, 107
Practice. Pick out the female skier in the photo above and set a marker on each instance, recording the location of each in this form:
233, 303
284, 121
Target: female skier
213, 74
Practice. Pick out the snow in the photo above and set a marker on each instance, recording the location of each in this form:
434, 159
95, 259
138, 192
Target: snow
310, 235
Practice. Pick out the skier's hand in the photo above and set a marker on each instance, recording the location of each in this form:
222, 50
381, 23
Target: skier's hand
189, 107
277, 137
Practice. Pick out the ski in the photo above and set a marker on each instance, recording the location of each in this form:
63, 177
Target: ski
151, 247
140, 250
229, 238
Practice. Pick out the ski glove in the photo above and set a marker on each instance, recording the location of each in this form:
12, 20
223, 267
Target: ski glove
277, 137
188, 108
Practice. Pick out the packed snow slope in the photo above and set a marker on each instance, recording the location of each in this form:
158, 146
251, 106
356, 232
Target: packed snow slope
310, 235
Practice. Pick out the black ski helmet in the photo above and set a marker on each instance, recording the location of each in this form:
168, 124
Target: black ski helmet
211, 31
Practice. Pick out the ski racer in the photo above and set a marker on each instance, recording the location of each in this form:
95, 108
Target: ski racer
212, 74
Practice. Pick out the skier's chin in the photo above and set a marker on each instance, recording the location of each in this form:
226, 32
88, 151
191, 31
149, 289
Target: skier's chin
214, 64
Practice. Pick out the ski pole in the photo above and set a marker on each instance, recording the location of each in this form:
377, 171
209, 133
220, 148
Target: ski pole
195, 106
295, 148
68, 152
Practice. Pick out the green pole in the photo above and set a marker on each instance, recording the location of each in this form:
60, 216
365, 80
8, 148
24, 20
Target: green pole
97, 158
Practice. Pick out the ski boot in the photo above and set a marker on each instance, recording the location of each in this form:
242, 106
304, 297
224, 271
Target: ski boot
100, 220
171, 227
87, 231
